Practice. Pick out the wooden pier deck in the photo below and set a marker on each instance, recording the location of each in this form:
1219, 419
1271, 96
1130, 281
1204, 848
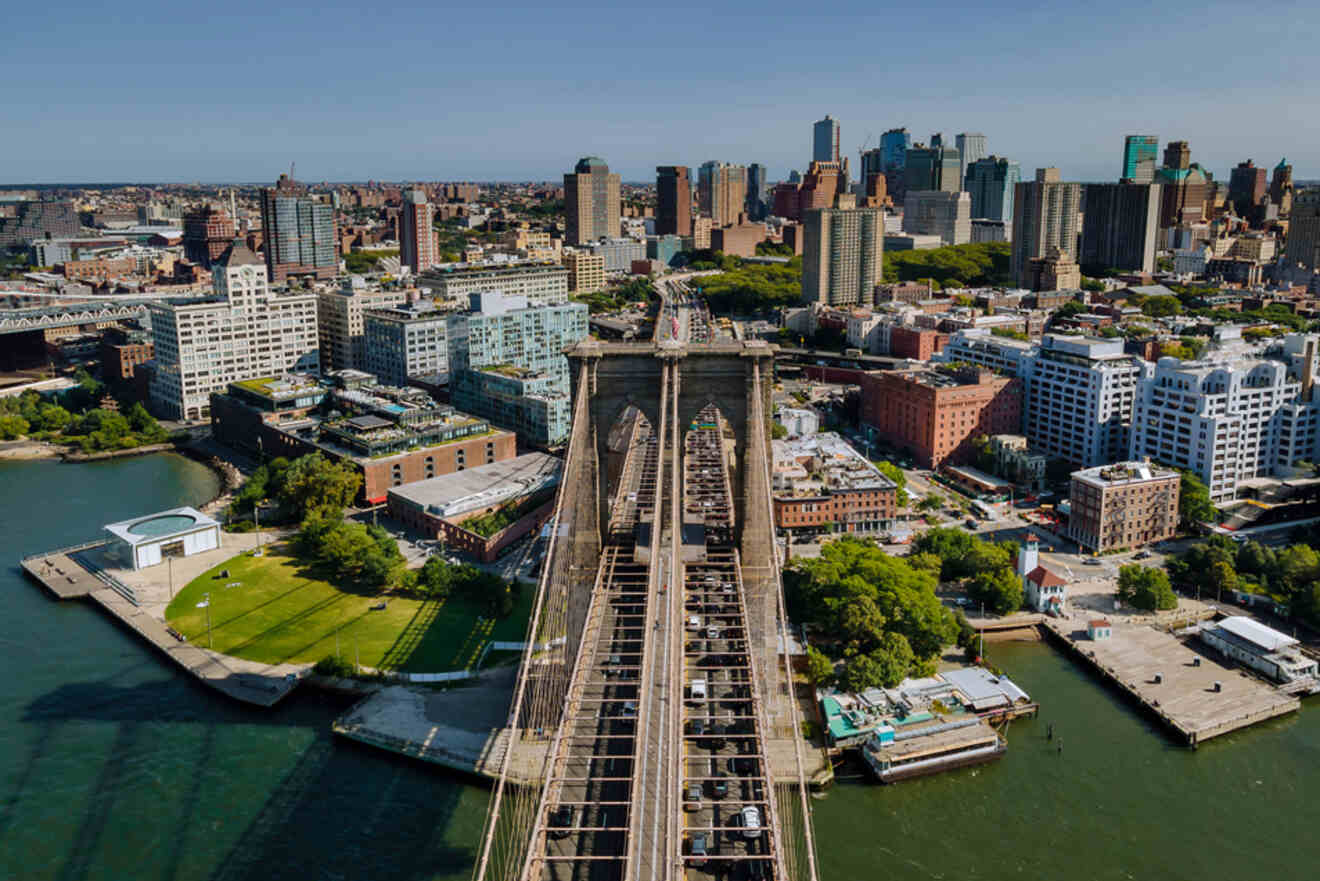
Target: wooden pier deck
1184, 699
61, 574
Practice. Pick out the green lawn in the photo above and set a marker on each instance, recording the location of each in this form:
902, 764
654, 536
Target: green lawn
281, 611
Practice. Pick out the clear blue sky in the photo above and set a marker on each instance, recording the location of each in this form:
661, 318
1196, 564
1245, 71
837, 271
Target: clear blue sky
157, 91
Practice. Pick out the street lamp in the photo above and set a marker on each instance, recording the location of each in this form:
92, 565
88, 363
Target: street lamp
170, 561
206, 601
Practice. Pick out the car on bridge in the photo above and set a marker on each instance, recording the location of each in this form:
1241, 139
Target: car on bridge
750, 820
561, 821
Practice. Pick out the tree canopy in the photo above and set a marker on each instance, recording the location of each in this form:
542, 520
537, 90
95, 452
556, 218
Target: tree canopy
1146, 588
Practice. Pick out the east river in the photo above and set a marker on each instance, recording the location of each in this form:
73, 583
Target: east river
114, 766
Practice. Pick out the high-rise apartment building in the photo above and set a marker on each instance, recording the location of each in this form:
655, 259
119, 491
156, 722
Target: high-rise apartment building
825, 140
542, 283
1044, 217
842, 253
932, 168
591, 202
39, 220
971, 147
1224, 421
1119, 227
758, 193
1303, 246
207, 233
673, 206
935, 213
245, 333
721, 192
416, 234
991, 183
404, 341
1140, 154
1079, 396
298, 232
507, 363
339, 322
1246, 188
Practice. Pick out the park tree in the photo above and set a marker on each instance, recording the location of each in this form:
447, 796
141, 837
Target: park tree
13, 426
1145, 588
1221, 577
894, 473
820, 669
1297, 566
999, 589
313, 483
53, 417
860, 673
950, 545
1194, 505
1161, 306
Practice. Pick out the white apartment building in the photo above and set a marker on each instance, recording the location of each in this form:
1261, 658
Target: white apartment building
1227, 421
1079, 395
339, 321
977, 345
409, 340
870, 333
248, 332
543, 284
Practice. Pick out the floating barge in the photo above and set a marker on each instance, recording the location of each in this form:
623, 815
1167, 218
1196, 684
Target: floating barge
901, 755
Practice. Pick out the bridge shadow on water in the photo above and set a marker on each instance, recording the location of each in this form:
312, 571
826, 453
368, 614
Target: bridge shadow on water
336, 810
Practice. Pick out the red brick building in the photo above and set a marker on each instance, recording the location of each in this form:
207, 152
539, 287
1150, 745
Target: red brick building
936, 414
207, 232
916, 343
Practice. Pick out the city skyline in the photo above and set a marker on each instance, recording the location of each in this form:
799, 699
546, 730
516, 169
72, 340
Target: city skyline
193, 98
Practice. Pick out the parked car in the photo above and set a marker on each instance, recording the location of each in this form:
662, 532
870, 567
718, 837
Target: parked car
561, 820
751, 822
697, 849
697, 690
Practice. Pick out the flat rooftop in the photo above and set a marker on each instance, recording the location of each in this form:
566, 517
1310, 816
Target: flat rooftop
472, 488
162, 524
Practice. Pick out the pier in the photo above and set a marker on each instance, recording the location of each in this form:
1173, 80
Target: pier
1163, 675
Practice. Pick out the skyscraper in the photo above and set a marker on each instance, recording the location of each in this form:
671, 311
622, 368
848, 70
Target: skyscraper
1140, 153
1044, 217
991, 182
825, 140
721, 191
937, 213
591, 202
1304, 231
1281, 187
894, 145
1183, 186
1119, 227
758, 196
298, 232
1246, 188
673, 202
971, 147
932, 168
842, 254
416, 235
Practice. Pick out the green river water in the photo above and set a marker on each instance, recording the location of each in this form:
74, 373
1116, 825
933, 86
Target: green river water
114, 766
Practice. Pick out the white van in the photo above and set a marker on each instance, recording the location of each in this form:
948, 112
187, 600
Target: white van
697, 690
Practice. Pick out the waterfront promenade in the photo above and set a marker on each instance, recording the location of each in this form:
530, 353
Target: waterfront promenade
137, 600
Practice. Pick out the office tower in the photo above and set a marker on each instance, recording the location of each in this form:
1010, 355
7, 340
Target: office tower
619, 252
507, 364
591, 202
1246, 188
339, 323
842, 253
416, 235
541, 283
971, 147
405, 341
298, 232
932, 168
1119, 227
894, 145
244, 332
673, 205
721, 192
875, 191
824, 181
1281, 187
1079, 395
1044, 217
1303, 246
1225, 421
991, 183
1177, 155
825, 140
207, 234
872, 164
758, 196
935, 213
1140, 153
38, 220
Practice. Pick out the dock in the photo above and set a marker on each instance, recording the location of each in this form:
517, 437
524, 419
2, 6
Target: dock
73, 573
1161, 673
